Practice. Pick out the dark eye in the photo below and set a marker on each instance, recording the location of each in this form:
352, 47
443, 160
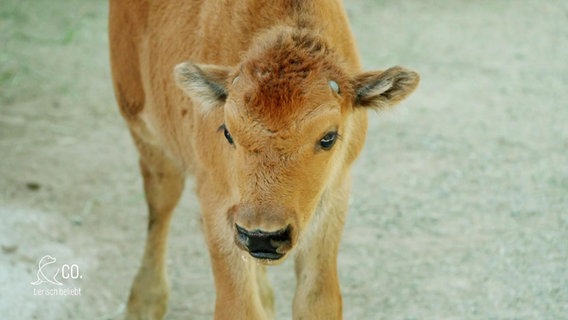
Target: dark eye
227, 134
328, 140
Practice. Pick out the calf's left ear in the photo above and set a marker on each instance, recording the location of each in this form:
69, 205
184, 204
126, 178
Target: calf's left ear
205, 84
380, 89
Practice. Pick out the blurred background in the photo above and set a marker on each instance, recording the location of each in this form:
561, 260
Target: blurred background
460, 199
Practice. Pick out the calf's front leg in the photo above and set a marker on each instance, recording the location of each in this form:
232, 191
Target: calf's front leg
242, 290
318, 295
163, 186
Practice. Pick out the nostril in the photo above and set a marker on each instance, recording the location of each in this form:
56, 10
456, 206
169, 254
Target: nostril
242, 236
280, 238
243, 239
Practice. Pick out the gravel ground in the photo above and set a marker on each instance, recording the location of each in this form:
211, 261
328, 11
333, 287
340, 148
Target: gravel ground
460, 201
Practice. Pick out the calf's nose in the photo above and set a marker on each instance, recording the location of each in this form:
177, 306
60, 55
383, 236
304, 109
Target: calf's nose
263, 245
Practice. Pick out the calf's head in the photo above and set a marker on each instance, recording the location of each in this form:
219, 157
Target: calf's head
286, 115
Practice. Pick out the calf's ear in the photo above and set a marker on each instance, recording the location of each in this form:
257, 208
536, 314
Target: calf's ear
380, 89
205, 84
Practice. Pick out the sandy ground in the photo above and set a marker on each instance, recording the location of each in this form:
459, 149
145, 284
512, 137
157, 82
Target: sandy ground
460, 201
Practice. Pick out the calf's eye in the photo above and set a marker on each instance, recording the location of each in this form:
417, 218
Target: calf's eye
227, 134
328, 140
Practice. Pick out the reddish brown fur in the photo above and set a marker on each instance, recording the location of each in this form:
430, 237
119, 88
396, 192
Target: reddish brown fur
260, 70
304, 59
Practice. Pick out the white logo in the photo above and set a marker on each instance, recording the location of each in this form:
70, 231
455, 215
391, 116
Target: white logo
48, 273
41, 278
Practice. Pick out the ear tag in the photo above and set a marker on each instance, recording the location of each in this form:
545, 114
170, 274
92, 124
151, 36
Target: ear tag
334, 86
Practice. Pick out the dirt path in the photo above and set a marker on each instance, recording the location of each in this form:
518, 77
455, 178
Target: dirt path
460, 202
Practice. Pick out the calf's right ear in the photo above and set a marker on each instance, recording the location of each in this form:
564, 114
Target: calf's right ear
205, 84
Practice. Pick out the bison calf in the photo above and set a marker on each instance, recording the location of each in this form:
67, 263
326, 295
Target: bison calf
265, 104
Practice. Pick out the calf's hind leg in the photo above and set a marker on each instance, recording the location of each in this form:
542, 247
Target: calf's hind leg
163, 186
